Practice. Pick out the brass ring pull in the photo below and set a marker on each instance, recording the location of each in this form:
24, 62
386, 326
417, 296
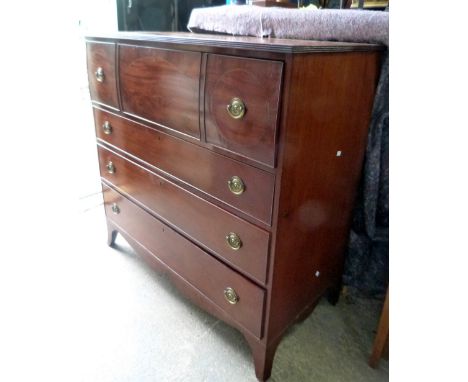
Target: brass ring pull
107, 127
236, 108
236, 185
115, 208
99, 74
231, 295
234, 241
110, 168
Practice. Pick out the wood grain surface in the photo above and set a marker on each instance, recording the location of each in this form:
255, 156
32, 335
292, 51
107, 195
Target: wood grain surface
161, 86
198, 219
201, 168
102, 55
257, 83
189, 261
299, 148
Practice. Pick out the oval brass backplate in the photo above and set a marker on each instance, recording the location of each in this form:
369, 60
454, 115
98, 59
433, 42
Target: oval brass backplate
231, 295
234, 241
236, 185
99, 74
106, 126
236, 108
110, 168
115, 209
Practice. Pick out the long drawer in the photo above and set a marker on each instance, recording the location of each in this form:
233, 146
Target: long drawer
240, 243
233, 293
201, 168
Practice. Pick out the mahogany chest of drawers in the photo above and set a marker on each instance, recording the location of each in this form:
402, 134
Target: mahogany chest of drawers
232, 165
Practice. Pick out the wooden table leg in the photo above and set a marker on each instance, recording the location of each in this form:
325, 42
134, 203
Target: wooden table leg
381, 337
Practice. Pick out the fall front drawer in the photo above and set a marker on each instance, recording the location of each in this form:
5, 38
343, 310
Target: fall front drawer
240, 243
240, 298
161, 86
203, 169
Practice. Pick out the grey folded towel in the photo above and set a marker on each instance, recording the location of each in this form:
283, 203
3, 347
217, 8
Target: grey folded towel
305, 24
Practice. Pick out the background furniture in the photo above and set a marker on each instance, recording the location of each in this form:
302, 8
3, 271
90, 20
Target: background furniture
158, 15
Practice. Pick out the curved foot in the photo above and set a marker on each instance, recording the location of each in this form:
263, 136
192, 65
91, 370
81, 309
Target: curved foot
263, 358
333, 294
111, 235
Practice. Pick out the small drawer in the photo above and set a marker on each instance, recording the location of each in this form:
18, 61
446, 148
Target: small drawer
232, 239
101, 73
240, 298
242, 98
161, 86
195, 165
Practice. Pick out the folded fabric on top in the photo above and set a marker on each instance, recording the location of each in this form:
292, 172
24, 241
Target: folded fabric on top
305, 24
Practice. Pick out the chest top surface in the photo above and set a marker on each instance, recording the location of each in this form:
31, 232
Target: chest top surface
201, 41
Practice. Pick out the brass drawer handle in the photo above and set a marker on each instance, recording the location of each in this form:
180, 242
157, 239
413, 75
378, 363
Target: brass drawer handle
99, 74
236, 185
115, 208
110, 168
231, 295
236, 108
106, 126
234, 241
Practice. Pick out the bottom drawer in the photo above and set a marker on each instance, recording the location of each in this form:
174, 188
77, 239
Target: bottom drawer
240, 298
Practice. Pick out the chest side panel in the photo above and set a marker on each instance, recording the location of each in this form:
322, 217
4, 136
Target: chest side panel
323, 146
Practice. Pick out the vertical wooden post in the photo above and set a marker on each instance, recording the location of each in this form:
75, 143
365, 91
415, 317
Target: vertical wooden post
382, 335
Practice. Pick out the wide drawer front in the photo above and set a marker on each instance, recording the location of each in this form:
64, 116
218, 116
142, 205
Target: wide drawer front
101, 73
240, 243
201, 168
227, 289
161, 86
242, 98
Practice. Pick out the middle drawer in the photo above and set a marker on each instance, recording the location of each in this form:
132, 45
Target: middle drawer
240, 243
195, 165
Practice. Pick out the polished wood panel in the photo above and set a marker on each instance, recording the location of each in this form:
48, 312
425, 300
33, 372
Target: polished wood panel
310, 140
102, 55
257, 83
189, 261
328, 113
161, 86
202, 221
187, 289
201, 168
